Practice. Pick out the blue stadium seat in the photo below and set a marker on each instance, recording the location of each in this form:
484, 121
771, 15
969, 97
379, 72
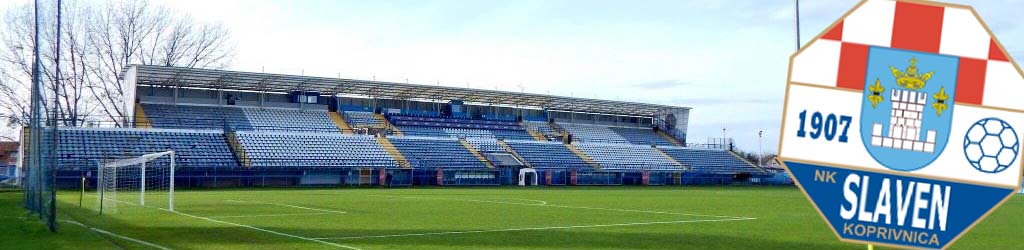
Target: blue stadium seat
361, 119
435, 152
627, 157
291, 149
547, 154
612, 134
715, 161
195, 117
238, 118
83, 148
486, 145
276, 119
542, 127
426, 126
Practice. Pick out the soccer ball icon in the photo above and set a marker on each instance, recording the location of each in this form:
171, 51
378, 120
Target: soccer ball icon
991, 145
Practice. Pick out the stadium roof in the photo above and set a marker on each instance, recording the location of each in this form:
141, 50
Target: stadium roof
149, 75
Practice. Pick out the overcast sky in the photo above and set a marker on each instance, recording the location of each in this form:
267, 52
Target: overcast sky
726, 59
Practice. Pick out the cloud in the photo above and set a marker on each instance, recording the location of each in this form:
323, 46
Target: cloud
661, 84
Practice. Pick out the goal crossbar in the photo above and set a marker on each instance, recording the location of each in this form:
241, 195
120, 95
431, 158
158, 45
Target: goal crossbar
139, 162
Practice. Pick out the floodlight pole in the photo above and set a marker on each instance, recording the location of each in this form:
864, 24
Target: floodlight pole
760, 145
724, 143
797, 23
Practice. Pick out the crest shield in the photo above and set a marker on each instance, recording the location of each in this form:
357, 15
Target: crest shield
907, 107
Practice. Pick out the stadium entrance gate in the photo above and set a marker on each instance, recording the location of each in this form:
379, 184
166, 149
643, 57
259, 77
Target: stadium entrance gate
527, 176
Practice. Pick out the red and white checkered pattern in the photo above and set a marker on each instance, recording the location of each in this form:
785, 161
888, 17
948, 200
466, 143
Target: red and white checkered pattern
985, 76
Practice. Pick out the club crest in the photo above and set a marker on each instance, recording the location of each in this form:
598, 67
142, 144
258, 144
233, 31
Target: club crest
907, 107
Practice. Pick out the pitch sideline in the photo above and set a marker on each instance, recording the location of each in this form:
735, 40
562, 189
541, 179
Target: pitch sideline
535, 228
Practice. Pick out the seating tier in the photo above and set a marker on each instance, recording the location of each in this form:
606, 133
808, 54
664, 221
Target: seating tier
238, 118
710, 161
269, 149
547, 154
84, 148
627, 156
435, 152
195, 117
362, 119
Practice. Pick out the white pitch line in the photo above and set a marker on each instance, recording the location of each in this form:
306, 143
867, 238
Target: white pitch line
266, 215
573, 207
289, 205
250, 227
534, 228
117, 235
264, 230
542, 203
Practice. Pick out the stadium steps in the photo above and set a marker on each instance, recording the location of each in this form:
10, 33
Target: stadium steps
670, 138
678, 164
536, 135
514, 153
755, 166
475, 152
140, 118
582, 155
387, 124
238, 149
395, 154
340, 122
561, 131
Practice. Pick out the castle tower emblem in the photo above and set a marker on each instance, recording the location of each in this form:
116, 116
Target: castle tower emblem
907, 111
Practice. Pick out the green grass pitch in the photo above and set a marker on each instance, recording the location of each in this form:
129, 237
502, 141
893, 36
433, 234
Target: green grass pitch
464, 218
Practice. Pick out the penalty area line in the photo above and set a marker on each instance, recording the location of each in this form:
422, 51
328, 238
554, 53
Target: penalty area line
264, 230
545, 204
101, 231
289, 205
534, 228
247, 226
266, 215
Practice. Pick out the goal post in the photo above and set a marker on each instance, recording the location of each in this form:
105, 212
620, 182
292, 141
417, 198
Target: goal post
143, 181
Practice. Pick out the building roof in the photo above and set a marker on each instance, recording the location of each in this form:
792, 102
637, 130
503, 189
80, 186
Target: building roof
149, 75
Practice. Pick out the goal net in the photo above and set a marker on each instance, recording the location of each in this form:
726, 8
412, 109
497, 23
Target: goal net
144, 181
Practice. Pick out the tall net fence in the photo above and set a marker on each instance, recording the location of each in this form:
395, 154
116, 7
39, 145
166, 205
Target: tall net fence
143, 182
39, 163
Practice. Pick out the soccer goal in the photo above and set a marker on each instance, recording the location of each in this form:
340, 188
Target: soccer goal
144, 181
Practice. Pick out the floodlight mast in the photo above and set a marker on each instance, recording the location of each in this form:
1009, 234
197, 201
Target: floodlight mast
797, 3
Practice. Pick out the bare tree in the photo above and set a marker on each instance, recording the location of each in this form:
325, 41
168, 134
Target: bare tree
133, 32
16, 66
98, 40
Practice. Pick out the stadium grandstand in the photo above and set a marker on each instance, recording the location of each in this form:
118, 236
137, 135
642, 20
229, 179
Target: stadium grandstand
232, 128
